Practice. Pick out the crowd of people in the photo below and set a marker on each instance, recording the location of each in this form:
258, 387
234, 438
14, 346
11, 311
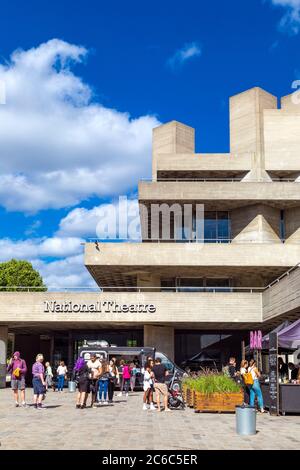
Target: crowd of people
248, 376
96, 378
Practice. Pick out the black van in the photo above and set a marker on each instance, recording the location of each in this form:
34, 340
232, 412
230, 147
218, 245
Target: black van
138, 355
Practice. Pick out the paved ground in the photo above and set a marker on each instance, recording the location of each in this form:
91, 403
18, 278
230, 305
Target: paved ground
126, 426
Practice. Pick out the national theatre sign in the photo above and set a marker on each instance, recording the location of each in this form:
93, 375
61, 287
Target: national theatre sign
97, 307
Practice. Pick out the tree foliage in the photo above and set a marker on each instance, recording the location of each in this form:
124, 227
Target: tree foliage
16, 275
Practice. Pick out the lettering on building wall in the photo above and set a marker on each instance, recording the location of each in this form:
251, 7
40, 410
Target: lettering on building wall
97, 307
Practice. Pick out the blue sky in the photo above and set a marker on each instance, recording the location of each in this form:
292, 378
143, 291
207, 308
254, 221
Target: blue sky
89, 82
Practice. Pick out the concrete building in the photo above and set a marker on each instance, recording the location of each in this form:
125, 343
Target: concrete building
203, 291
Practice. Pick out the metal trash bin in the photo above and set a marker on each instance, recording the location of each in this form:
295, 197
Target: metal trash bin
245, 418
72, 386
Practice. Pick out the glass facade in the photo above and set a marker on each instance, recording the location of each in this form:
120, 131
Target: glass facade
208, 348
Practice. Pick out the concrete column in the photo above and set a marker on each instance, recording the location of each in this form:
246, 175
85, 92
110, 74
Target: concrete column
161, 338
3, 353
173, 137
247, 128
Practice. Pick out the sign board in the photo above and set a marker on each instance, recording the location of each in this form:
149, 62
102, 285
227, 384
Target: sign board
97, 307
256, 339
273, 374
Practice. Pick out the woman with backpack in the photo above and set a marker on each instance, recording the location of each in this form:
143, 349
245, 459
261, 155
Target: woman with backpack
81, 376
251, 379
17, 367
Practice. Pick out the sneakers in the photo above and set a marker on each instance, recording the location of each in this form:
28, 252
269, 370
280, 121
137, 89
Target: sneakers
126, 394
119, 394
24, 405
105, 402
152, 407
145, 407
17, 404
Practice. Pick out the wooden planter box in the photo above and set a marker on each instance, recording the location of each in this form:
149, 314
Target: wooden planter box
190, 398
218, 401
184, 393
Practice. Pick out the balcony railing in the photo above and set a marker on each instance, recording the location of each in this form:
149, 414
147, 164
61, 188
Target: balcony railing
178, 289
175, 179
186, 240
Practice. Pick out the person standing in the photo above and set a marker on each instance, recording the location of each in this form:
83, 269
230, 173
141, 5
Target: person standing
17, 368
94, 366
133, 373
48, 375
114, 379
81, 375
61, 375
126, 370
121, 365
243, 372
147, 386
38, 381
103, 383
283, 369
232, 368
160, 372
255, 390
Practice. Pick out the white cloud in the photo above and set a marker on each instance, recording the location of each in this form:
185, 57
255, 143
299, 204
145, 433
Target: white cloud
58, 146
54, 247
187, 52
290, 22
68, 272
82, 222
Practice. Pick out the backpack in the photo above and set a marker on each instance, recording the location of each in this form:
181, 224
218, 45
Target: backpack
248, 379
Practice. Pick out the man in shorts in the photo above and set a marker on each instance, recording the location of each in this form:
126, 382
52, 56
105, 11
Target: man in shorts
17, 368
160, 372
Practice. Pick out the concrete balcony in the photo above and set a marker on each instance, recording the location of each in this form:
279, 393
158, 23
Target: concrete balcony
119, 264
222, 194
225, 164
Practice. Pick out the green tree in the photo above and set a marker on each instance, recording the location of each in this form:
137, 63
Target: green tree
16, 275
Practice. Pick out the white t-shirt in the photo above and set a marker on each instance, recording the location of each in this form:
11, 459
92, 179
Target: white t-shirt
253, 373
243, 370
147, 380
62, 370
94, 366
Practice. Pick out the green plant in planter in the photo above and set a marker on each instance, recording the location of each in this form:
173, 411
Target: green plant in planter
208, 384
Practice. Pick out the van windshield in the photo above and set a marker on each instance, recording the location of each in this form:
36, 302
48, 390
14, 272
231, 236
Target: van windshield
166, 361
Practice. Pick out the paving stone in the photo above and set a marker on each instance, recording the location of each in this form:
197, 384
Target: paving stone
126, 426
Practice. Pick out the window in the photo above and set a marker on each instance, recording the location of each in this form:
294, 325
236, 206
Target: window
216, 227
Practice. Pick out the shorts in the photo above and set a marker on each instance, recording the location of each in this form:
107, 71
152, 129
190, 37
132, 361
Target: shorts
161, 388
18, 384
38, 387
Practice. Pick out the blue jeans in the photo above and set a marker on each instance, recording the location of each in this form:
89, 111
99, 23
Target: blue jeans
60, 382
255, 390
103, 387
